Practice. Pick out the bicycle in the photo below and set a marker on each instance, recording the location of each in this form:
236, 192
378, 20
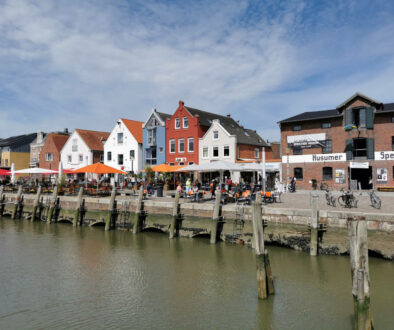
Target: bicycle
375, 200
330, 199
347, 199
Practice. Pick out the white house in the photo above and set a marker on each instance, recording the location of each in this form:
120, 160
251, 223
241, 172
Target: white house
123, 148
83, 148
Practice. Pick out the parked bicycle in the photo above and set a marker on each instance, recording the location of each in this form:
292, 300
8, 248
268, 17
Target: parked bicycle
330, 198
347, 199
375, 200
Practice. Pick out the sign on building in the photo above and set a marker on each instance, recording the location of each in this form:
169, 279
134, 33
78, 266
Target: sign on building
307, 141
382, 175
340, 176
384, 155
316, 158
359, 165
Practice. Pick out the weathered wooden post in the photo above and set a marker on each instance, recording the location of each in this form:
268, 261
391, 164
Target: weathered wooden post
265, 283
313, 247
111, 209
217, 215
78, 215
2, 201
17, 203
138, 211
358, 246
175, 214
52, 205
36, 204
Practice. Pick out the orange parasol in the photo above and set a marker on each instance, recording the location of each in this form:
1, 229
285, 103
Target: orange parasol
98, 168
165, 168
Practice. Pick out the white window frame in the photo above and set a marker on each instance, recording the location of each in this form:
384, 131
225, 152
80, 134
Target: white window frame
179, 145
188, 141
213, 149
228, 151
172, 140
47, 158
257, 152
207, 150
109, 153
217, 132
117, 137
178, 121
183, 122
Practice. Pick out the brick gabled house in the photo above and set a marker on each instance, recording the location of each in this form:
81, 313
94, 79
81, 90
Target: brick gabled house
50, 153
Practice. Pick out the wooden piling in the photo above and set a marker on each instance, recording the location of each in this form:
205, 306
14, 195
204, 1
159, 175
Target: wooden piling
2, 201
78, 212
175, 214
108, 222
137, 216
36, 204
265, 283
358, 246
216, 217
17, 203
313, 247
52, 205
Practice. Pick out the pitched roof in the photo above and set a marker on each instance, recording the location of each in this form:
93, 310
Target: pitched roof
387, 107
58, 139
135, 128
18, 140
312, 115
206, 118
164, 116
93, 139
351, 98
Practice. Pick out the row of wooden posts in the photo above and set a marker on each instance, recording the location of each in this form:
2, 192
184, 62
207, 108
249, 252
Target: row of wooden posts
357, 233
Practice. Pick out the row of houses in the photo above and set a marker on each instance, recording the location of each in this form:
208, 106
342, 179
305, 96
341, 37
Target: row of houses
188, 136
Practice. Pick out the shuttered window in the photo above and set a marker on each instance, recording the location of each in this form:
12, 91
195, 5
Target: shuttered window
349, 149
369, 118
370, 148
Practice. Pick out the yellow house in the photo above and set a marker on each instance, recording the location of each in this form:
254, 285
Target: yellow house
21, 160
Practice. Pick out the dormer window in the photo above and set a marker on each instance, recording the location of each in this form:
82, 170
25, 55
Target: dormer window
185, 122
177, 123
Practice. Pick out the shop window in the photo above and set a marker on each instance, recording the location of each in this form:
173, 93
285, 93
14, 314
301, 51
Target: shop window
298, 173
226, 151
190, 144
327, 173
181, 145
215, 152
177, 123
297, 128
109, 155
120, 159
326, 125
185, 122
297, 151
205, 152
327, 149
172, 146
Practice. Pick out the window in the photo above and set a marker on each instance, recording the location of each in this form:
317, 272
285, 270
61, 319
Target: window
359, 148
215, 135
177, 123
161, 149
298, 173
392, 142
215, 152
181, 145
80, 158
205, 152
171, 164
326, 125
191, 163
392, 119
327, 148
185, 122
49, 157
327, 173
109, 155
101, 157
132, 154
190, 144
120, 159
69, 159
172, 146
226, 151
256, 153
297, 128
297, 151
120, 138
181, 163
152, 136
75, 145
361, 117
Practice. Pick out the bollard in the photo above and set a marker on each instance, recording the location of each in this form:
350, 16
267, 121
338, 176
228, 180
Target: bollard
217, 213
265, 283
358, 247
111, 208
36, 204
313, 247
2, 201
175, 214
17, 203
78, 214
52, 205
140, 207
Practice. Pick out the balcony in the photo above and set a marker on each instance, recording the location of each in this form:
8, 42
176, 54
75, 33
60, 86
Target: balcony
34, 162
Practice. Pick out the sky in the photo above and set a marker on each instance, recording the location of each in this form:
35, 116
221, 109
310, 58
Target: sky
87, 63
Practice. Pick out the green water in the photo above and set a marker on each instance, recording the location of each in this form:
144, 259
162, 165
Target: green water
59, 277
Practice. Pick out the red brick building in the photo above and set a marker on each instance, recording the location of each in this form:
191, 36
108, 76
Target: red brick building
50, 152
349, 146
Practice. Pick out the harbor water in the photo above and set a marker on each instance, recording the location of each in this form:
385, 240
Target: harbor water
60, 277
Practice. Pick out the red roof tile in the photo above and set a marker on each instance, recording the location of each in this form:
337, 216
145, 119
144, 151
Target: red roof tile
135, 128
59, 140
93, 139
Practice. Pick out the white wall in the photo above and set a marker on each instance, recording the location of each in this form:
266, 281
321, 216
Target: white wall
225, 139
82, 149
129, 143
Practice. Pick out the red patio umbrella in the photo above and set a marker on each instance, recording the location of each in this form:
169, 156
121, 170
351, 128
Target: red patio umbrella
4, 172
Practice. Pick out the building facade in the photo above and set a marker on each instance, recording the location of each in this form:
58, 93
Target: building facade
35, 149
83, 147
154, 139
351, 146
16, 150
50, 153
123, 148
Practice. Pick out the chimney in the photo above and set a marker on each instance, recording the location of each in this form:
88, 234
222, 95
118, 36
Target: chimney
66, 130
228, 116
40, 136
181, 103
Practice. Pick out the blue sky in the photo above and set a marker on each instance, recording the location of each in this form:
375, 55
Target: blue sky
84, 64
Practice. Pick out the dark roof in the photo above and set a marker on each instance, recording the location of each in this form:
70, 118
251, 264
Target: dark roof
17, 141
387, 107
312, 115
164, 116
206, 118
